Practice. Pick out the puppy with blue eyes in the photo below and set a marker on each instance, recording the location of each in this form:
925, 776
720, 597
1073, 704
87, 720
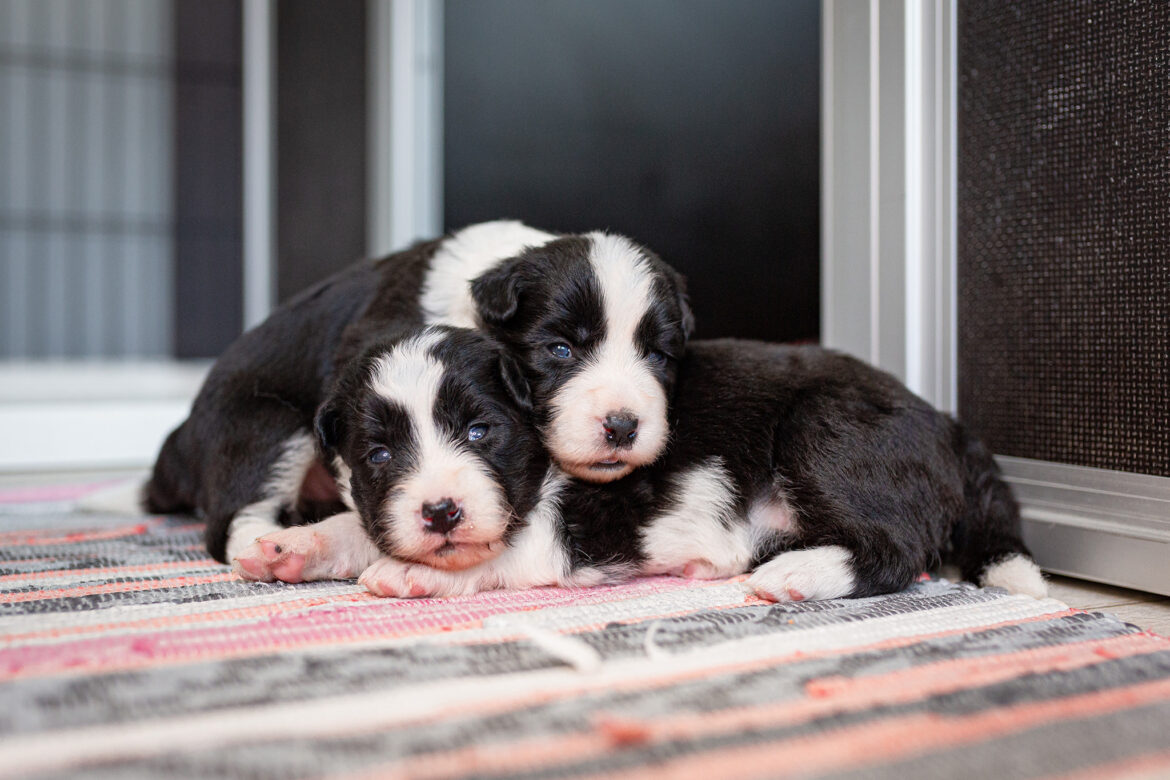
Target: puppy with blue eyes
440, 466
434, 455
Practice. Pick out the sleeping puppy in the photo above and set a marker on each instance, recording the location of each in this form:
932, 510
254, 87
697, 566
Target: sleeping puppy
441, 469
246, 459
823, 474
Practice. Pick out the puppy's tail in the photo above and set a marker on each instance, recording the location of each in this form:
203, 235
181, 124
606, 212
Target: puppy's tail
986, 541
171, 488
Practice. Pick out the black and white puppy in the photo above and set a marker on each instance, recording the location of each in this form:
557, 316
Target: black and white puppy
246, 458
442, 470
824, 475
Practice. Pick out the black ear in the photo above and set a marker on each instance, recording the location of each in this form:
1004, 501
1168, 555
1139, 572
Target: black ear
684, 304
328, 425
497, 291
515, 382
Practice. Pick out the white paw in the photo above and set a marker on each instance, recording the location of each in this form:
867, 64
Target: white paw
291, 555
1017, 574
335, 548
805, 575
401, 579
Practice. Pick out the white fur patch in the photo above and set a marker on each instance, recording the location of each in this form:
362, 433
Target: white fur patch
446, 291
1017, 574
410, 376
774, 514
806, 575
616, 378
281, 490
344, 481
699, 536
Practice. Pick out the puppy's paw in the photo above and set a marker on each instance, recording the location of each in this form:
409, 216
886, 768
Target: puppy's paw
295, 554
805, 575
401, 579
698, 569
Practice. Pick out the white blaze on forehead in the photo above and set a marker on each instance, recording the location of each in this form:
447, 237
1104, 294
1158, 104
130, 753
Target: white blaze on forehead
626, 282
446, 291
410, 376
616, 376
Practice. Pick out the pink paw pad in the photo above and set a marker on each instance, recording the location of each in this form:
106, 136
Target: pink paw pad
290, 569
253, 567
271, 550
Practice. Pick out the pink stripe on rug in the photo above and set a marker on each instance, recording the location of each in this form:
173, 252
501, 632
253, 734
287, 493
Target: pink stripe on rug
66, 492
52, 536
276, 631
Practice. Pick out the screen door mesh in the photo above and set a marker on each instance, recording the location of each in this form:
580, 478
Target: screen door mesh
1064, 230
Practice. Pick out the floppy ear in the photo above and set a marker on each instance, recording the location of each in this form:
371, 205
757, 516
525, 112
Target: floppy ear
497, 291
328, 425
515, 382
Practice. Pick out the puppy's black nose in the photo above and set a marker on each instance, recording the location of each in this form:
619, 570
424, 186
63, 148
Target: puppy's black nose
621, 430
441, 516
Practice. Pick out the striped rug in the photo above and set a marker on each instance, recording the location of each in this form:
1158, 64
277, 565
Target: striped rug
126, 653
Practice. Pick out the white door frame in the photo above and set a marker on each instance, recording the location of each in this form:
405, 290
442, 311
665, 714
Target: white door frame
889, 174
405, 133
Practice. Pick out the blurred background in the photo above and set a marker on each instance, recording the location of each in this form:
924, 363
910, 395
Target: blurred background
131, 227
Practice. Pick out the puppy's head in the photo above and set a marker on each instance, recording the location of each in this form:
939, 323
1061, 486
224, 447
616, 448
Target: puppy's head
599, 324
434, 446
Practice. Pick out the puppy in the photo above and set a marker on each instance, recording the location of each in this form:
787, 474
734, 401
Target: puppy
442, 472
246, 458
825, 475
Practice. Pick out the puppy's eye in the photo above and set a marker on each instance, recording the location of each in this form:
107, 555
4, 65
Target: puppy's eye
657, 358
477, 431
560, 350
378, 455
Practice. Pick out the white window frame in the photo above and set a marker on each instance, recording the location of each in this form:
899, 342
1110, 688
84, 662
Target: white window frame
889, 175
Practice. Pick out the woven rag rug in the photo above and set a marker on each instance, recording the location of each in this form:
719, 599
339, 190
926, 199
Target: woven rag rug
127, 653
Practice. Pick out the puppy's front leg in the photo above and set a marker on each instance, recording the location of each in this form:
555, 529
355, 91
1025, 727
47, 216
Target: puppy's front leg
533, 558
337, 548
404, 579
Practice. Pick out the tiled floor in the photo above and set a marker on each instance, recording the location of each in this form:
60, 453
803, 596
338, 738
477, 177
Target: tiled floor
1147, 610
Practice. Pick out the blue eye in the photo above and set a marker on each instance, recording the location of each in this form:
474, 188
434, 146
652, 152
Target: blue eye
477, 432
656, 357
560, 350
379, 455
